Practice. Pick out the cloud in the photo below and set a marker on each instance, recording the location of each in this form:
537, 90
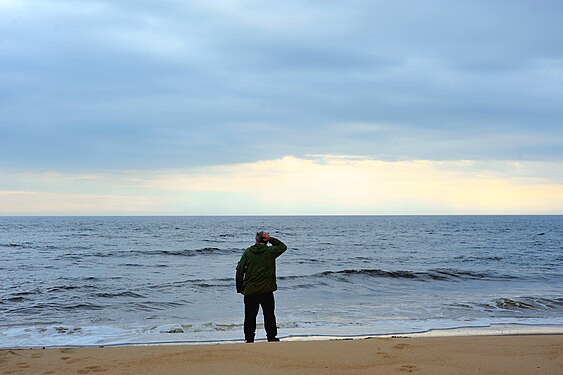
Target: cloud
98, 85
328, 184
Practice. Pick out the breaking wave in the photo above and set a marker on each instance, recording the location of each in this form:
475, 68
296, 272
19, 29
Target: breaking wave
437, 274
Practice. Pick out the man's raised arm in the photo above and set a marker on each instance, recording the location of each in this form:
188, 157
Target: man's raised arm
277, 248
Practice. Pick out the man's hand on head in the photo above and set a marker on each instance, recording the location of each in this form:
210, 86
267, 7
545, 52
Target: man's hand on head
266, 237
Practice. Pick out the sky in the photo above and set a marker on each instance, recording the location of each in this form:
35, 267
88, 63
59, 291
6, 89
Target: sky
281, 107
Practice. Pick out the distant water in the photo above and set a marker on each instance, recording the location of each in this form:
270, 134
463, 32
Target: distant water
111, 280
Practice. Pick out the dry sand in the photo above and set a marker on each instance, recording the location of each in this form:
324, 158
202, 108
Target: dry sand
521, 354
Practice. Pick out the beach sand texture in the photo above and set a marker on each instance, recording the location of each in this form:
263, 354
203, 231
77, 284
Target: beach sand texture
521, 354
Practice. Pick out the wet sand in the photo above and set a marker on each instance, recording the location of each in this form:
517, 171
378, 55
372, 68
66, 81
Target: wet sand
518, 354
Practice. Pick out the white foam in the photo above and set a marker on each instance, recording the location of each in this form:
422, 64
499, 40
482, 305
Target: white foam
495, 329
61, 335
492, 330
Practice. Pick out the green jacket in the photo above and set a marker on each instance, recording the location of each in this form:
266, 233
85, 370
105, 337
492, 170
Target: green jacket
256, 270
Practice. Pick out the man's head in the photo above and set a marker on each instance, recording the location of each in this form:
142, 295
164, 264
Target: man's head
262, 237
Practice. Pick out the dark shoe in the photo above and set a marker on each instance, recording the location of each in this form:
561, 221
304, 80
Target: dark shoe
249, 341
273, 339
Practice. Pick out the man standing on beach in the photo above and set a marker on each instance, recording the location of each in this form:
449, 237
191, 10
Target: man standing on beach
256, 280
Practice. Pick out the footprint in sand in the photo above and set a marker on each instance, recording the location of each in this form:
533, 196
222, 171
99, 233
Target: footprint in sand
36, 355
90, 369
385, 355
400, 346
408, 368
23, 365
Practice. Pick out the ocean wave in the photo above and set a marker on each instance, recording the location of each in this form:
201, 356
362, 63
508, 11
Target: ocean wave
26, 292
445, 274
372, 273
436, 274
15, 299
60, 307
201, 283
465, 258
25, 245
210, 285
145, 253
120, 294
529, 303
202, 327
155, 306
516, 304
64, 288
509, 304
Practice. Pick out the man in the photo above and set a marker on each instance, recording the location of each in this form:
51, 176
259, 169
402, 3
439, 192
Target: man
256, 280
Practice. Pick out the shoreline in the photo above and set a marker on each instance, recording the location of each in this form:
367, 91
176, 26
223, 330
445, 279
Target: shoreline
501, 329
498, 354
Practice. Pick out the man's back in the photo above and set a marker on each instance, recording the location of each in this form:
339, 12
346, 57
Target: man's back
256, 270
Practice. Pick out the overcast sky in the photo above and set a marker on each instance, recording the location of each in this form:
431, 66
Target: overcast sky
113, 91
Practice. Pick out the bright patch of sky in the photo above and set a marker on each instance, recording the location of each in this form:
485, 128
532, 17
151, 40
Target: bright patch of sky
110, 107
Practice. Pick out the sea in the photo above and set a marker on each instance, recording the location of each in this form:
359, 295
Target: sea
94, 281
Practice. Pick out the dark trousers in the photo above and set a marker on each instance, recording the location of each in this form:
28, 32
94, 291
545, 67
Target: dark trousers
251, 305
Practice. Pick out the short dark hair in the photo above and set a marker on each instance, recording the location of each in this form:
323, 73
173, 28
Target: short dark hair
259, 236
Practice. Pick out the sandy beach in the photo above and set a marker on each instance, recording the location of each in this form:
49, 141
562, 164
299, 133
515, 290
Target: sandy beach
519, 354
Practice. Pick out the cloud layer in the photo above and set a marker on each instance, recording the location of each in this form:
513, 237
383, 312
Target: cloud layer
97, 85
193, 107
